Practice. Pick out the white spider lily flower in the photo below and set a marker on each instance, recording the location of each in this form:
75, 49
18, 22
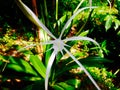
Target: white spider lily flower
58, 43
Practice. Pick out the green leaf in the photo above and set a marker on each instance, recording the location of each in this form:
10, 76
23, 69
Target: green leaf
57, 87
20, 65
61, 20
4, 58
71, 84
108, 23
68, 64
74, 82
92, 61
38, 85
95, 59
117, 24
17, 68
1, 63
47, 54
38, 65
63, 86
84, 33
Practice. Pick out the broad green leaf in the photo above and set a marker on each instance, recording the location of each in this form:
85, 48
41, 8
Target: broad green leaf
95, 59
69, 64
61, 20
17, 68
59, 24
37, 85
74, 82
71, 84
117, 24
20, 65
38, 65
92, 61
108, 23
64, 86
57, 87
47, 54
84, 33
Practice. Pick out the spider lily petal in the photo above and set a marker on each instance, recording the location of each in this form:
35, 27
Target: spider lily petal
28, 46
32, 45
71, 18
87, 73
90, 1
50, 63
31, 16
81, 38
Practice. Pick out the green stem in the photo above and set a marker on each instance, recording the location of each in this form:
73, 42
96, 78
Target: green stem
84, 24
46, 14
56, 10
78, 6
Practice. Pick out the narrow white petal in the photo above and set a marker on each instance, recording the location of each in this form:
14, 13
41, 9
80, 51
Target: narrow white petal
90, 1
86, 72
32, 45
29, 13
50, 63
28, 46
81, 38
71, 18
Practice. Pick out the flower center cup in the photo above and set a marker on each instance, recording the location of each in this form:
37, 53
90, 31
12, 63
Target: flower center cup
58, 45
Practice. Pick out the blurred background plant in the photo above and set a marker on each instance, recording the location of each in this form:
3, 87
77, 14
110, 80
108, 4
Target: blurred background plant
17, 31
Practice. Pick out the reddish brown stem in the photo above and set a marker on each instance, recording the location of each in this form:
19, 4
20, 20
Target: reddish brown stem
37, 38
34, 5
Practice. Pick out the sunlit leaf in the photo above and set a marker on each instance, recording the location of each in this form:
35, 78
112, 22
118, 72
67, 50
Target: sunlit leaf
108, 23
84, 33
63, 86
38, 65
20, 65
71, 84
74, 82
117, 23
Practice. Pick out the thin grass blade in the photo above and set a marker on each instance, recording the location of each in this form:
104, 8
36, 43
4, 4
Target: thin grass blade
79, 5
